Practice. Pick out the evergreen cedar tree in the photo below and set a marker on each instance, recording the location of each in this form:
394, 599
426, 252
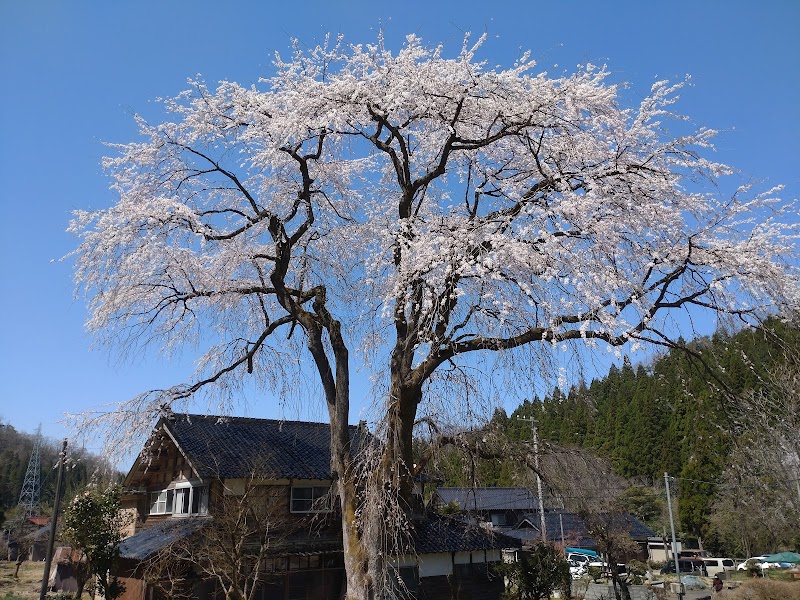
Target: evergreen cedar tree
413, 210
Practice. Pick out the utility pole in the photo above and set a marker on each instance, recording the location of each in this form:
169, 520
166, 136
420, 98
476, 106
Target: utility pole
797, 484
674, 543
535, 432
53, 522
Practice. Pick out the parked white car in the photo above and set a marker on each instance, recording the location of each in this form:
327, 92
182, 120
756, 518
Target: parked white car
597, 562
576, 570
753, 560
580, 559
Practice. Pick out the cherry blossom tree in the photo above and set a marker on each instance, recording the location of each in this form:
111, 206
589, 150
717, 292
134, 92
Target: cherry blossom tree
422, 211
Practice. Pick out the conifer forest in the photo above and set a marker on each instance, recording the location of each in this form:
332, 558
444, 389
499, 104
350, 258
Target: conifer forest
710, 416
15, 452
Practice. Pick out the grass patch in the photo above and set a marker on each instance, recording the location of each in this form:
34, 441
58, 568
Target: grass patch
763, 589
24, 587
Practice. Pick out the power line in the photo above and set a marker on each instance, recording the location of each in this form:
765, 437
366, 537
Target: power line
789, 480
695, 480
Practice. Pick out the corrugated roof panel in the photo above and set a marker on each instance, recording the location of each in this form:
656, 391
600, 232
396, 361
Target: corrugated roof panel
149, 541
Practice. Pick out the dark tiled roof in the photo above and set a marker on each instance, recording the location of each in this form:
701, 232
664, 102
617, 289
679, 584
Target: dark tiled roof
575, 529
229, 447
149, 541
428, 535
627, 522
438, 534
525, 535
489, 499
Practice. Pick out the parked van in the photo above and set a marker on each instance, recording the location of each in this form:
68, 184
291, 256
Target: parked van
686, 565
718, 565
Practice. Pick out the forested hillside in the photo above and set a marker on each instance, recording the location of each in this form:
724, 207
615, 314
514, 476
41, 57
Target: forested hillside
680, 415
15, 451
687, 414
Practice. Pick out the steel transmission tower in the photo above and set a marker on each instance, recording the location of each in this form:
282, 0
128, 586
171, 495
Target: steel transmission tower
31, 488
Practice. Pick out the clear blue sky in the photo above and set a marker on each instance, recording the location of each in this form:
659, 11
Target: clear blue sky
71, 73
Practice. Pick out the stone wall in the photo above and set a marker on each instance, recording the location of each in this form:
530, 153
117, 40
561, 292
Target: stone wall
604, 591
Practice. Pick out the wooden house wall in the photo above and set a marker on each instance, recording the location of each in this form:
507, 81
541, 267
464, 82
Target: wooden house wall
448, 588
167, 465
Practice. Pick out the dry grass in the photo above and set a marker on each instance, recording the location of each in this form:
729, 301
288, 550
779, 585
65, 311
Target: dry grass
763, 589
28, 584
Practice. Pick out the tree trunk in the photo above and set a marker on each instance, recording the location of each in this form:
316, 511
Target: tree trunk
336, 385
356, 563
364, 557
398, 463
356, 555
357, 559
620, 587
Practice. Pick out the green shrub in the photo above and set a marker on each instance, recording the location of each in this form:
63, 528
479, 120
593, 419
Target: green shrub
656, 565
636, 572
537, 573
595, 573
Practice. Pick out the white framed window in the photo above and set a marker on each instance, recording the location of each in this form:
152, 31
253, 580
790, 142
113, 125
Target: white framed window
161, 502
311, 498
184, 499
191, 499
